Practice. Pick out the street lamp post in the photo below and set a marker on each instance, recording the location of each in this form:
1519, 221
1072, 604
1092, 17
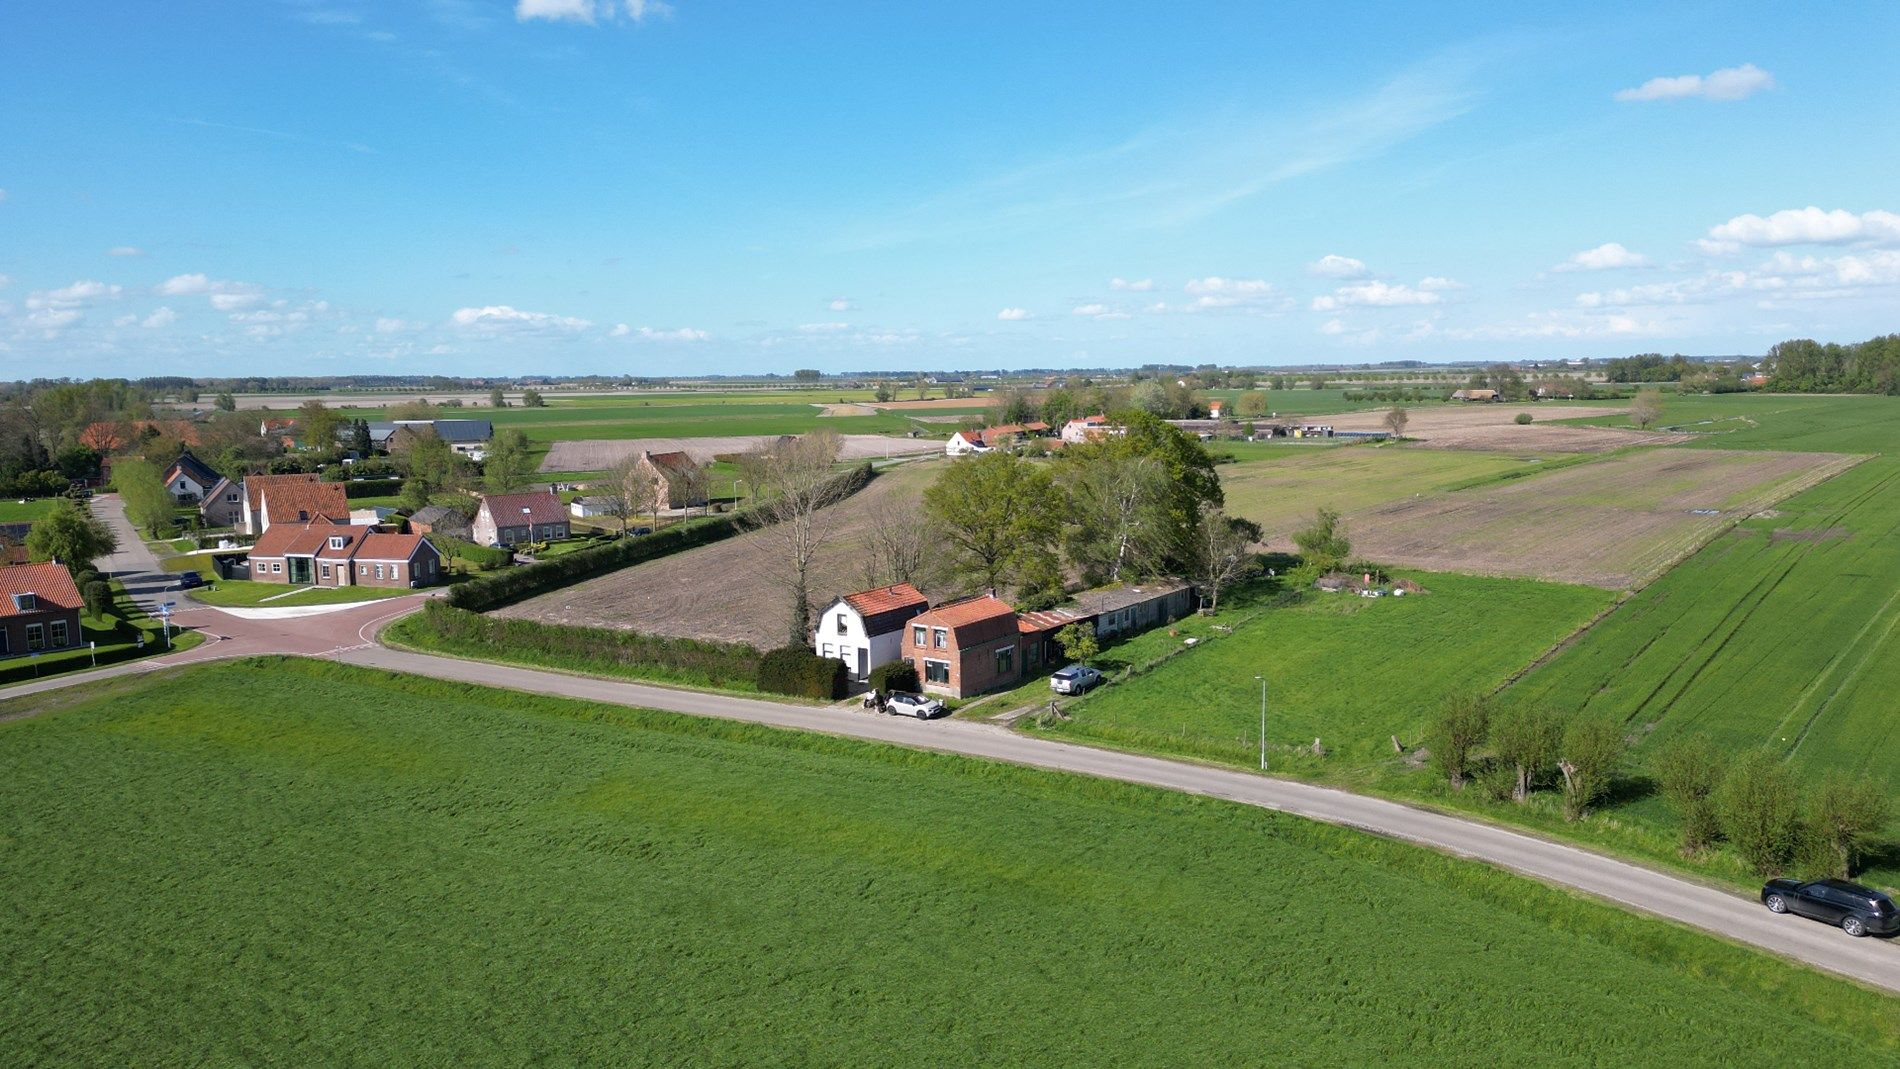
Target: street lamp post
1263, 722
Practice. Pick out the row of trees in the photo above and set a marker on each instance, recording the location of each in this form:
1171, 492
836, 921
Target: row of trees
1530, 747
1808, 366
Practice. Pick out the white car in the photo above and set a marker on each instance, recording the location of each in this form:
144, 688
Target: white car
902, 704
1075, 679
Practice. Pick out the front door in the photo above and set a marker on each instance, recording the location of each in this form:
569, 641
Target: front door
297, 569
864, 664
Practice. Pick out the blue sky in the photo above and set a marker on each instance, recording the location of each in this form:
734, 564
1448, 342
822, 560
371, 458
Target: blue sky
550, 186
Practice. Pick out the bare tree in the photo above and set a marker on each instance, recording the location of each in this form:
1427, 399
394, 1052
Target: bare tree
792, 482
639, 490
1395, 420
1646, 408
612, 494
1224, 553
897, 545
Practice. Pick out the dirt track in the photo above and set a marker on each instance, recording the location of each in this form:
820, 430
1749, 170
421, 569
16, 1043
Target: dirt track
599, 454
1494, 427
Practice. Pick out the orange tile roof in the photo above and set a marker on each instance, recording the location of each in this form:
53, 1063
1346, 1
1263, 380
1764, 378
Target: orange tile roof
972, 620
885, 599
51, 583
380, 546
110, 437
286, 501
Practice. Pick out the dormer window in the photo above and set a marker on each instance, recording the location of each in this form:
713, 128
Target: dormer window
338, 541
26, 602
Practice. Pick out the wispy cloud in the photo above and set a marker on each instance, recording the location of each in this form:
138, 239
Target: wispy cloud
276, 135
591, 12
1729, 83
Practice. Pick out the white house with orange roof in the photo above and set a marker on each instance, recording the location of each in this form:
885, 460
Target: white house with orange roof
866, 629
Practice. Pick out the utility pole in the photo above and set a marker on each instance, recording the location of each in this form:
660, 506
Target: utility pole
1263, 722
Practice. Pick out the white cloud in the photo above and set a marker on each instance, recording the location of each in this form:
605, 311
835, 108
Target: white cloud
1090, 309
232, 302
1557, 325
1606, 257
161, 317
1803, 226
591, 11
1215, 284
1439, 283
1335, 266
842, 304
823, 328
1729, 83
77, 295
224, 295
125, 250
621, 330
642, 10
183, 286
389, 325
1013, 315
5, 281
496, 318
1376, 294
1131, 285
54, 320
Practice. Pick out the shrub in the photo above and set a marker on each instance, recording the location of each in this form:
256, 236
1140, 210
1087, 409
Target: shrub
799, 672
1458, 730
897, 675
1522, 418
372, 488
1526, 738
1688, 770
485, 558
98, 597
84, 578
1757, 805
1592, 748
460, 631
1846, 813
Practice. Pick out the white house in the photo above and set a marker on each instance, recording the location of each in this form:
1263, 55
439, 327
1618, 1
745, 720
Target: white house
189, 479
965, 443
1088, 429
866, 629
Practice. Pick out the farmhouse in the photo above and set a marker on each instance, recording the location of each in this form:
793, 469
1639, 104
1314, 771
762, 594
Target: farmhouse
866, 629
39, 609
963, 443
1088, 429
468, 437
510, 519
677, 481
965, 647
189, 479
1475, 395
293, 499
326, 554
1123, 610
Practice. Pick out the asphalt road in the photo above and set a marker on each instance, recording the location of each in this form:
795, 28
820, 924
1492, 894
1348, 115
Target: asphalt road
1873, 961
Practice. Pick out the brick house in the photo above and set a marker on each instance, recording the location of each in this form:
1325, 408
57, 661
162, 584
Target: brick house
189, 479
39, 609
965, 647
866, 629
293, 499
223, 504
327, 554
677, 481
508, 519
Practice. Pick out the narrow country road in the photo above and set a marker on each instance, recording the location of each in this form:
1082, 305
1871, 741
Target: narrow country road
348, 636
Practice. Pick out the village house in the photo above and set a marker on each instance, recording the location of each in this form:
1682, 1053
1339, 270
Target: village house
39, 609
113, 437
188, 479
964, 648
1126, 610
866, 629
439, 519
296, 499
223, 504
334, 555
1036, 635
677, 481
510, 519
1088, 429
469, 437
964, 443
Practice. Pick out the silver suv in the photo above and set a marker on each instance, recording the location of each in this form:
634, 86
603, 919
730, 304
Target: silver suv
1074, 679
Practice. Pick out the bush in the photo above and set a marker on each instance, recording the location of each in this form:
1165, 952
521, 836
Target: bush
98, 597
502, 588
84, 578
1458, 730
799, 672
897, 675
1592, 749
484, 558
1757, 804
372, 488
1689, 770
714, 663
1522, 418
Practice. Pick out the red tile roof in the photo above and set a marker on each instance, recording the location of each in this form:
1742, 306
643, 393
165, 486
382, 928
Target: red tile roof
51, 583
380, 546
1030, 623
972, 620
308, 540
885, 599
110, 437
516, 510
304, 502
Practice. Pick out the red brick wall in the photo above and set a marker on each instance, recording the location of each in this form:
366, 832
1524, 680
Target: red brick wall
15, 628
972, 670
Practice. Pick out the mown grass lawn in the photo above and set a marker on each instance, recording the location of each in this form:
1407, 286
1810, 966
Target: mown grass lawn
306, 863
118, 633
242, 593
15, 510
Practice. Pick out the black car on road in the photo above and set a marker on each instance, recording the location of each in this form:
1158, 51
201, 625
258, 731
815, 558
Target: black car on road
1858, 910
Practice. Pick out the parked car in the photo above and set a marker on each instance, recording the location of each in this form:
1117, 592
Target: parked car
1858, 910
917, 705
190, 581
1074, 679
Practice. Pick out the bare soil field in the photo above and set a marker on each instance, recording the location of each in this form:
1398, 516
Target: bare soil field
732, 590
1493, 427
835, 409
1614, 523
599, 454
971, 403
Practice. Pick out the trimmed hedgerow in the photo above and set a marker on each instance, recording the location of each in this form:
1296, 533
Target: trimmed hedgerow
897, 675
799, 672
601, 650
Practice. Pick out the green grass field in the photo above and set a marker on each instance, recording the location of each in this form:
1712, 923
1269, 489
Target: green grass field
680, 417
15, 510
239, 593
1351, 671
1279, 486
1795, 422
306, 863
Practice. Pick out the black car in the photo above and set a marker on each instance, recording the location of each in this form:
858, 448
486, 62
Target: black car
1858, 910
190, 581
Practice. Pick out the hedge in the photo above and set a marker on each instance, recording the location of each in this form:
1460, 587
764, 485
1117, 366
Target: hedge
502, 588
718, 664
799, 672
486, 558
894, 676
372, 487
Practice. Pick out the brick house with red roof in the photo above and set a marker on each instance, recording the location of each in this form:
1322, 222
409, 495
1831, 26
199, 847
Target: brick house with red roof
678, 481
39, 609
866, 629
326, 554
966, 647
296, 500
509, 519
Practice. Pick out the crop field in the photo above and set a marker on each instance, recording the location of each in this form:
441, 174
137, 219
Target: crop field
1279, 485
1349, 671
588, 455
1614, 522
312, 864
1783, 632
730, 591
1796, 422
621, 418
1553, 427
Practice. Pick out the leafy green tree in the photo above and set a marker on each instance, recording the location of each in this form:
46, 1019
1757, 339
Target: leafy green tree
70, 535
1323, 544
415, 494
1396, 418
142, 487
1078, 642
360, 441
317, 425
998, 512
225, 402
508, 465
497, 398
1251, 403
1526, 737
1593, 747
1688, 770
1116, 508
98, 598
1646, 409
1847, 812
1760, 811
1459, 728
1224, 553
533, 399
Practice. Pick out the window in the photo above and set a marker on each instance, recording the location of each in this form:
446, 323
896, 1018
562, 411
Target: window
379, 571
326, 571
917, 637
365, 570
939, 637
276, 566
824, 650
337, 541
936, 671
26, 602
1006, 661
36, 636
843, 627
59, 633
